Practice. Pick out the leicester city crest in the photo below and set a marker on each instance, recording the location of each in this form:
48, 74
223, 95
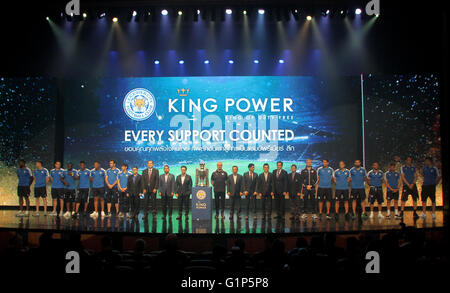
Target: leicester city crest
201, 194
139, 104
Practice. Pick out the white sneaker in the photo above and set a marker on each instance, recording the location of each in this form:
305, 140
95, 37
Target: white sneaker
67, 214
73, 213
120, 215
371, 215
26, 214
304, 216
19, 214
315, 217
380, 216
422, 215
93, 215
36, 214
103, 214
433, 216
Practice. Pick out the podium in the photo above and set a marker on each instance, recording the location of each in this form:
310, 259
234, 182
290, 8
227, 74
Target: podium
201, 203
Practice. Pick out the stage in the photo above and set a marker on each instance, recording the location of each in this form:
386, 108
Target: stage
157, 226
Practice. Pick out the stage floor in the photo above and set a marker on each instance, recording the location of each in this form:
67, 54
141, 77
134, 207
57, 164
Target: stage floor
157, 225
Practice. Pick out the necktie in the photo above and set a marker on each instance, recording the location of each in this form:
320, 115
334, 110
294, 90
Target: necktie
149, 174
278, 173
251, 176
293, 176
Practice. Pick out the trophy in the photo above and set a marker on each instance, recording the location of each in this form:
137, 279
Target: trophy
201, 176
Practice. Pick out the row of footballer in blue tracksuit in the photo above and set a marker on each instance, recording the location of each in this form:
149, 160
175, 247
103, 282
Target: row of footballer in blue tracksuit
309, 191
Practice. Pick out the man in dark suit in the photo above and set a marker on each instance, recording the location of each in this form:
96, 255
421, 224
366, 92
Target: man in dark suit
250, 179
150, 180
134, 192
294, 190
235, 187
183, 191
218, 181
265, 189
166, 191
280, 189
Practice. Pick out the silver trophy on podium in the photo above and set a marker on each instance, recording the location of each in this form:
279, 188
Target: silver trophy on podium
201, 176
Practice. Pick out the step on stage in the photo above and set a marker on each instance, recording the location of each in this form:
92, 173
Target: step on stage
158, 225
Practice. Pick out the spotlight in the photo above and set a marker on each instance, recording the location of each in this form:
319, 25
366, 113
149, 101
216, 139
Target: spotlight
228, 11
156, 62
115, 19
261, 11
181, 62
328, 11
308, 17
180, 12
164, 12
47, 18
206, 61
244, 12
85, 15
101, 15
296, 14
256, 61
281, 61
230, 61
198, 11
134, 13
358, 11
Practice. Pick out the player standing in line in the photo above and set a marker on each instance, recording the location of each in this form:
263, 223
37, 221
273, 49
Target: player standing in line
122, 183
57, 190
112, 193
23, 189
309, 180
392, 179
235, 189
97, 178
375, 181
294, 190
265, 188
358, 177
41, 176
83, 188
324, 174
68, 178
431, 178
166, 192
341, 178
280, 189
135, 191
183, 191
409, 178
218, 181
250, 180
